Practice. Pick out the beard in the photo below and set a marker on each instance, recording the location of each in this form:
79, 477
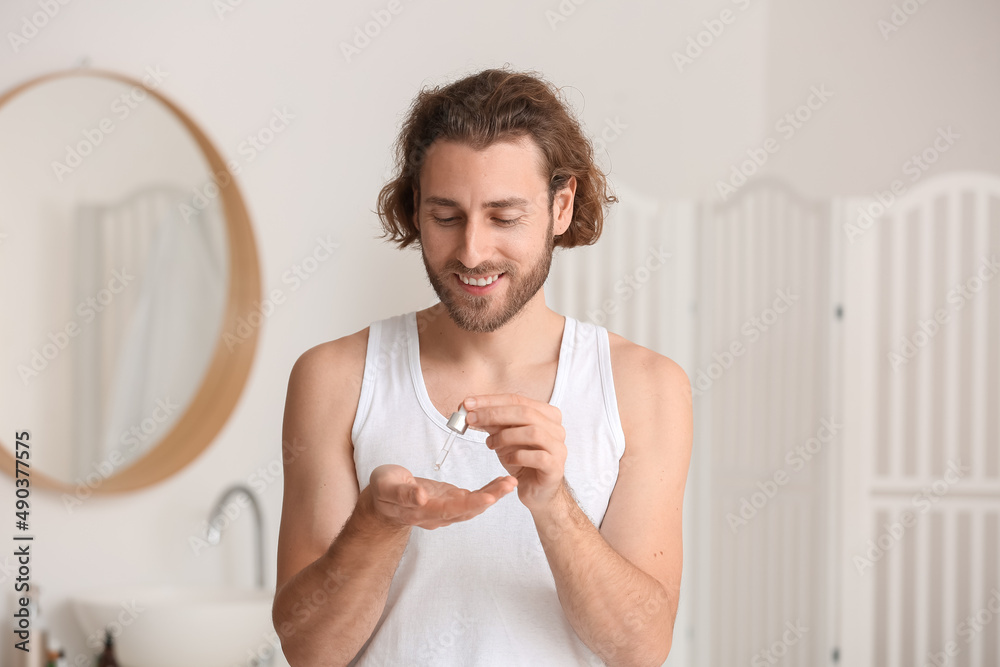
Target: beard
487, 313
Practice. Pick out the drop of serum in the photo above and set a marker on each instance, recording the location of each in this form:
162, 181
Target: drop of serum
458, 426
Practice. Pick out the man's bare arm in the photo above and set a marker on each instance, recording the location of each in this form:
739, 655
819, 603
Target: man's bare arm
330, 592
619, 586
326, 612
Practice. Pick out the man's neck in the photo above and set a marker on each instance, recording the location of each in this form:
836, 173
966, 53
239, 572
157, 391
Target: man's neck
531, 337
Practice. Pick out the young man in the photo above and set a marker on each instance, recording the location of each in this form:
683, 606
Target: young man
383, 560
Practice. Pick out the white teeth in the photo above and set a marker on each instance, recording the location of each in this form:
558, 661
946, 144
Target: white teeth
481, 282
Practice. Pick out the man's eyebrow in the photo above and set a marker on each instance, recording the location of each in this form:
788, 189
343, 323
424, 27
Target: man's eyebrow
509, 202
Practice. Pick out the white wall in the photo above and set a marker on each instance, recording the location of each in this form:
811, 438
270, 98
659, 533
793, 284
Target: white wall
320, 177
893, 86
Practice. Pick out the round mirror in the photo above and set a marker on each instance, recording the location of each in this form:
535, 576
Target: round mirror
127, 271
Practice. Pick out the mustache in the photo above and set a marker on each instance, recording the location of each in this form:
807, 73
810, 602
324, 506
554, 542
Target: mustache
475, 274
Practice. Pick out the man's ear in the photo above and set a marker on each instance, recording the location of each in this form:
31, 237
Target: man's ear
562, 207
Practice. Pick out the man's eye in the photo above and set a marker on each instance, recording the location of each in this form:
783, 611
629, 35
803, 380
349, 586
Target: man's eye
503, 221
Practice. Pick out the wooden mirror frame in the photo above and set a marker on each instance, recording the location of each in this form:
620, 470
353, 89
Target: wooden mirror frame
227, 372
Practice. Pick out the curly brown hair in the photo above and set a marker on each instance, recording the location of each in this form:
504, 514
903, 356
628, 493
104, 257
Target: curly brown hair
480, 110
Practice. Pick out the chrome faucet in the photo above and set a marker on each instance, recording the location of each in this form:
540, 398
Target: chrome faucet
214, 534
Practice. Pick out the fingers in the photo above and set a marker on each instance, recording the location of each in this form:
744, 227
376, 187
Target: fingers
410, 495
515, 414
499, 487
387, 478
459, 507
549, 436
395, 485
539, 459
462, 505
432, 504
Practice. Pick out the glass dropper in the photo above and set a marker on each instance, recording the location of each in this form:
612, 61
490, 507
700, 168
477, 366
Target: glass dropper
458, 426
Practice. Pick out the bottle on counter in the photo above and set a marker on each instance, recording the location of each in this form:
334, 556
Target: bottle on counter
56, 655
107, 658
41, 635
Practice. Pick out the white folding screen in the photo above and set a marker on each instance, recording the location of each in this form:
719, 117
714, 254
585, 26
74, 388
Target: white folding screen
845, 361
920, 563
765, 421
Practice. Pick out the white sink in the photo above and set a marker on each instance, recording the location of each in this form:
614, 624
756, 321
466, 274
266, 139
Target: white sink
171, 626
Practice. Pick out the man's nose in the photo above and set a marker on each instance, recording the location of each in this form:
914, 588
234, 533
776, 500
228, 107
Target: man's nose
475, 243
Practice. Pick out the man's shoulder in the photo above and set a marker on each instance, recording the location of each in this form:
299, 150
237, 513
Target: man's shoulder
339, 348
638, 369
341, 359
652, 390
334, 361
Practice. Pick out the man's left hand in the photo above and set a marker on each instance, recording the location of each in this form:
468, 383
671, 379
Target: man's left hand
529, 439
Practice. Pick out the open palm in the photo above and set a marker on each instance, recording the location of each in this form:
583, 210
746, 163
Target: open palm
417, 501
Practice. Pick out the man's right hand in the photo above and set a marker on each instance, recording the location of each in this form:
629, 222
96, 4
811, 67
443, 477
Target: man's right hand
401, 499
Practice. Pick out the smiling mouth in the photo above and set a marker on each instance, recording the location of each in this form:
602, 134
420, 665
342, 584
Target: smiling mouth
479, 281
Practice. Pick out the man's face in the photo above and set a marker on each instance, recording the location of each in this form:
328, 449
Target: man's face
482, 214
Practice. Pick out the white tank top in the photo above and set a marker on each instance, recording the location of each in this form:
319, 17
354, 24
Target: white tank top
480, 592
